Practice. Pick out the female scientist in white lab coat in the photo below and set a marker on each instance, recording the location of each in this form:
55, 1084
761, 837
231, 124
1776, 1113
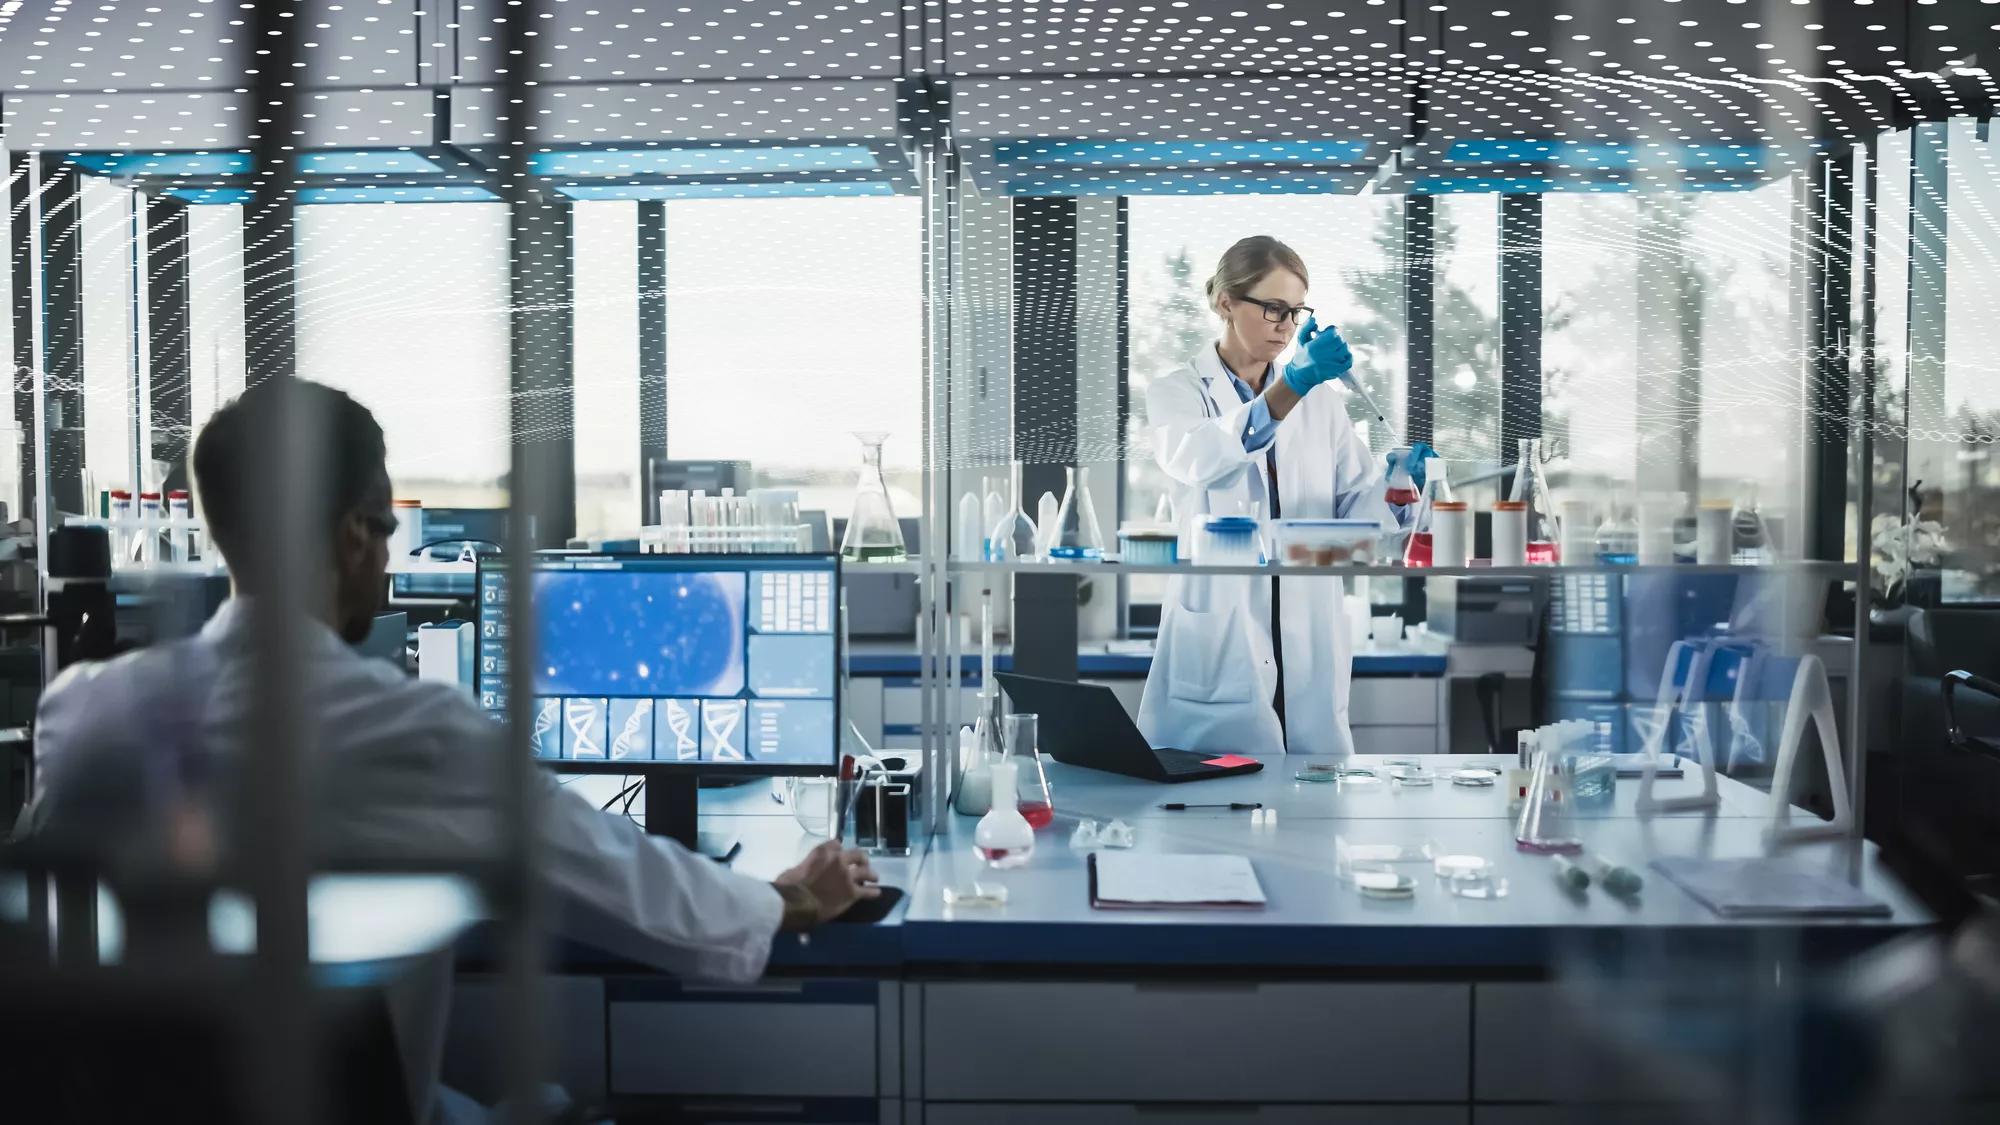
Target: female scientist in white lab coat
1248, 664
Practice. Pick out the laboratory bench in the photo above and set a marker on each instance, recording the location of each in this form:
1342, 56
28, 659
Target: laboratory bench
1399, 695
1323, 1006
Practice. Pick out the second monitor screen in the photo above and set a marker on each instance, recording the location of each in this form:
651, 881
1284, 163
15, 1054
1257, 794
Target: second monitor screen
714, 666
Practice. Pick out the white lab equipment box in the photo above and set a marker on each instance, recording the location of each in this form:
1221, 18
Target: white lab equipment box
444, 653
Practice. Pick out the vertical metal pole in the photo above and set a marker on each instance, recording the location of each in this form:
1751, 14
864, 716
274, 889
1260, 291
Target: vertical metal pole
169, 336
1868, 178
1520, 319
1419, 305
927, 106
37, 340
652, 262
515, 892
285, 462
141, 362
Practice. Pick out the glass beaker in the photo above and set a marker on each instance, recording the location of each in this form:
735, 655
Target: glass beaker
1531, 486
1019, 735
1077, 536
873, 535
1013, 538
1418, 551
1546, 824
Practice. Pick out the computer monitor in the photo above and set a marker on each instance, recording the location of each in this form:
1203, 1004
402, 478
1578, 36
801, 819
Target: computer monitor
673, 667
443, 534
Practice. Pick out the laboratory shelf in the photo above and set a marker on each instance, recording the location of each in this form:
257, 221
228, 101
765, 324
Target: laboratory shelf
1803, 569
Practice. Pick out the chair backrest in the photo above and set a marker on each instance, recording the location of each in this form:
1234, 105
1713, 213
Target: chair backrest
1940, 640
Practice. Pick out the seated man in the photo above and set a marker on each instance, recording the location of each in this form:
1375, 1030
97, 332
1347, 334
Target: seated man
141, 750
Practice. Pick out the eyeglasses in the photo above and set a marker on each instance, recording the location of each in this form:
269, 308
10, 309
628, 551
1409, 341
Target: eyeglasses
1278, 312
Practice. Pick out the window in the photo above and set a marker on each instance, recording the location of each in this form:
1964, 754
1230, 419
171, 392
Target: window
791, 325
215, 307
404, 306
1590, 344
1466, 347
1353, 248
1955, 422
1750, 385
110, 451
607, 368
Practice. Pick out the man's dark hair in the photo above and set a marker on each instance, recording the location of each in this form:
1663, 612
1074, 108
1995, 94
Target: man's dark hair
347, 469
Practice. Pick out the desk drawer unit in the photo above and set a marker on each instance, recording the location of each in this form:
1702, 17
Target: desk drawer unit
1076, 1041
1211, 1113
798, 1039
1384, 701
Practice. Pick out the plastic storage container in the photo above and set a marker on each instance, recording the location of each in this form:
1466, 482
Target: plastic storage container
1325, 542
1230, 541
1146, 545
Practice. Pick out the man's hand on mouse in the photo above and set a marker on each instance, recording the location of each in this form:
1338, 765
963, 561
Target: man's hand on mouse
824, 884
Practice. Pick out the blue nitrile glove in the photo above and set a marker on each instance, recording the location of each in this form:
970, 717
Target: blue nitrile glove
1420, 452
1322, 357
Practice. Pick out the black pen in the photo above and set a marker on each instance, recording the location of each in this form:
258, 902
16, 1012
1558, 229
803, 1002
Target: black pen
1233, 806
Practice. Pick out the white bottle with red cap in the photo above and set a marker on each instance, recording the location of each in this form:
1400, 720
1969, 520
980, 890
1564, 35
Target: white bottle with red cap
152, 520
180, 526
121, 515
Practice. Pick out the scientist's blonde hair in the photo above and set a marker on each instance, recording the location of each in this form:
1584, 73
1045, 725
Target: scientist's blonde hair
1246, 263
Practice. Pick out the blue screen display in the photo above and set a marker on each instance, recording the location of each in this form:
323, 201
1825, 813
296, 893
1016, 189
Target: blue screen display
688, 659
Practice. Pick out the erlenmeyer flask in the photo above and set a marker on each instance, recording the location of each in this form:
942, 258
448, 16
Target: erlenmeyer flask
1531, 485
1402, 487
1417, 552
1750, 538
1013, 537
873, 535
1077, 537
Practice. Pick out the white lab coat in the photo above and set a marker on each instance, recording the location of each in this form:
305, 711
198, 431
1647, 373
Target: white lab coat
400, 768
1213, 677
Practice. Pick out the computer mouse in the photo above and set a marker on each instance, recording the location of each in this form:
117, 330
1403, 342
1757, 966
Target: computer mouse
868, 911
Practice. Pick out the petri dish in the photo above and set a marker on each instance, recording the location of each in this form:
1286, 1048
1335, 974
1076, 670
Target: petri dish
1475, 778
1411, 775
1384, 884
976, 895
1480, 885
1458, 866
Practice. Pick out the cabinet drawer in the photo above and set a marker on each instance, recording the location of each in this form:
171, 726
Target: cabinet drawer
1388, 702
1210, 1113
1395, 740
904, 706
784, 1040
1274, 1042
1531, 1042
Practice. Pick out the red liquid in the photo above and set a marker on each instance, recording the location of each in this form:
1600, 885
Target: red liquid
1401, 496
1541, 552
993, 855
1418, 552
1038, 814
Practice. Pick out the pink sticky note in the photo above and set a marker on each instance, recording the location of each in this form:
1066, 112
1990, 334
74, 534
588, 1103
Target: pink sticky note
1230, 760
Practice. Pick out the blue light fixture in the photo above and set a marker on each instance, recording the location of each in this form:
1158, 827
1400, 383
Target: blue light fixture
388, 193
170, 164
612, 162
1178, 154
367, 162
209, 196
761, 189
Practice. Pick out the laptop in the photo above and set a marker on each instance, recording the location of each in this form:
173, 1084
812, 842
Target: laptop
1084, 725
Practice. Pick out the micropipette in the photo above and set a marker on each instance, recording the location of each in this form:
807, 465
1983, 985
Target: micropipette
1354, 385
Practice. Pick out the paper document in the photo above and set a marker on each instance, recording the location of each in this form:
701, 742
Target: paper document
1763, 887
1150, 879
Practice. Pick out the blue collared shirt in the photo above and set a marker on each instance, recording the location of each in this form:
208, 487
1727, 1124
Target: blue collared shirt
1260, 429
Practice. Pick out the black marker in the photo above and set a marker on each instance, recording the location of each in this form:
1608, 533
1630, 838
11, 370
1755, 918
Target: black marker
1233, 806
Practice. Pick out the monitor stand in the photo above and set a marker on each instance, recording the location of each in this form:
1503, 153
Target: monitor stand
673, 809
